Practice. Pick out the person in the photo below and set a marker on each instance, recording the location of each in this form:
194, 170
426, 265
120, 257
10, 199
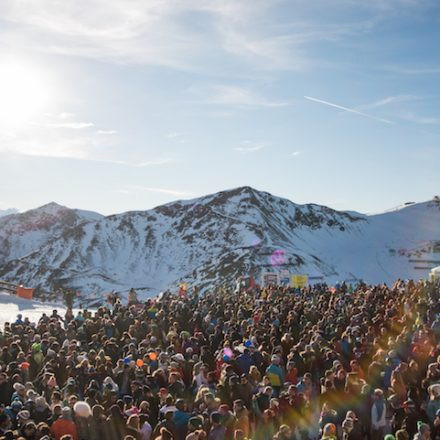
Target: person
98, 423
275, 375
177, 368
168, 423
145, 427
241, 415
423, 432
329, 432
434, 401
284, 433
181, 418
83, 416
164, 435
133, 427
64, 425
132, 297
5, 423
115, 424
28, 430
378, 415
217, 431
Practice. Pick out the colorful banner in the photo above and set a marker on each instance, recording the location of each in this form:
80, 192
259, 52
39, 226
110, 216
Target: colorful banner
270, 279
24, 292
284, 278
299, 281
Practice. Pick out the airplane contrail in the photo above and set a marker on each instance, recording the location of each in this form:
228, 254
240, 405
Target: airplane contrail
347, 109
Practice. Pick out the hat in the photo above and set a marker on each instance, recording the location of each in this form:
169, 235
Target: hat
18, 387
67, 413
216, 417
24, 415
422, 428
31, 393
178, 357
329, 429
389, 437
16, 404
196, 422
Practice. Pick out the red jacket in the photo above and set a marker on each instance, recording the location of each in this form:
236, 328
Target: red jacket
62, 427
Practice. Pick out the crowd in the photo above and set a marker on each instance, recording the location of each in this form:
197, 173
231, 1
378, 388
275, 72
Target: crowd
254, 363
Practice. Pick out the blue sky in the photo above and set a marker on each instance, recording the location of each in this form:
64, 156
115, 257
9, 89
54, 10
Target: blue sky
120, 105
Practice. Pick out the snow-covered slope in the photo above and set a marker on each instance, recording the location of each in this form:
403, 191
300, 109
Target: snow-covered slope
217, 238
24, 233
11, 306
4, 212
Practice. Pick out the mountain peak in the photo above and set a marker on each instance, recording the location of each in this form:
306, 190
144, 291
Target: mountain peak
9, 211
51, 205
51, 208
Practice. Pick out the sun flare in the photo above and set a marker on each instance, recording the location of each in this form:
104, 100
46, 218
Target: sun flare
24, 93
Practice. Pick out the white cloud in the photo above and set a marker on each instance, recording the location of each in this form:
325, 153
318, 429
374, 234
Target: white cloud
162, 33
424, 120
47, 137
72, 125
143, 164
175, 135
387, 100
153, 32
250, 147
347, 109
65, 115
179, 138
235, 96
172, 192
107, 132
295, 153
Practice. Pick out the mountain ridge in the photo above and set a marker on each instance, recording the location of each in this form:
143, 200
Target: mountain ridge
217, 238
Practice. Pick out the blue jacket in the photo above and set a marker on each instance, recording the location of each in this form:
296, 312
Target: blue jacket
275, 375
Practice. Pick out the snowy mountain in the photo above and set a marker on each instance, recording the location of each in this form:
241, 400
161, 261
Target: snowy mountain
24, 233
4, 212
216, 239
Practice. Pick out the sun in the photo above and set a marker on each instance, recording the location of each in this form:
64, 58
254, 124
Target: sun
24, 94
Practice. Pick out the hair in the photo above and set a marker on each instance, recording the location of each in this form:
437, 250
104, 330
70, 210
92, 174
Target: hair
132, 421
401, 434
97, 410
165, 434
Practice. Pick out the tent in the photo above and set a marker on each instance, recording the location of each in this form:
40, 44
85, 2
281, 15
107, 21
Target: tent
434, 275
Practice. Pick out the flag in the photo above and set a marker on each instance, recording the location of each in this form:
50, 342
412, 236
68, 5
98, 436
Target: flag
183, 288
